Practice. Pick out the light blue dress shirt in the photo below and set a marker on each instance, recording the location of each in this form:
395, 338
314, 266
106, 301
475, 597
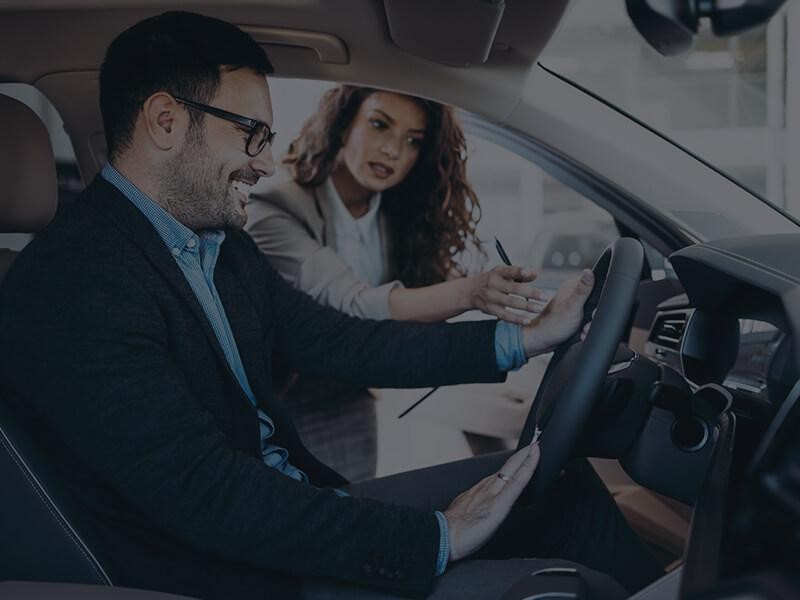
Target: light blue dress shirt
196, 256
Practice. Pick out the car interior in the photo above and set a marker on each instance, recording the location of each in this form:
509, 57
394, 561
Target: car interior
688, 397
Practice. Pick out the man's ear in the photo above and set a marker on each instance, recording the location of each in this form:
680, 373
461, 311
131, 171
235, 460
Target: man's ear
165, 121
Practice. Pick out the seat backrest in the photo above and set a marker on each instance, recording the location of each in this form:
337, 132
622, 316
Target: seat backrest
27, 170
37, 540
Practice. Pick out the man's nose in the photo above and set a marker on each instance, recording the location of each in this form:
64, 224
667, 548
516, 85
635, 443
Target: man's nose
263, 162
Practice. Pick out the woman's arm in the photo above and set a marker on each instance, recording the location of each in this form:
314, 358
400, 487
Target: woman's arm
493, 292
318, 271
311, 267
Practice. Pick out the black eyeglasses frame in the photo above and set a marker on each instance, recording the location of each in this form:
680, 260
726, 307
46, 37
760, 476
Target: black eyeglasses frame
252, 125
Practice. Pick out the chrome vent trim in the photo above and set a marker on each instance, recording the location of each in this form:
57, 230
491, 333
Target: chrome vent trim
669, 328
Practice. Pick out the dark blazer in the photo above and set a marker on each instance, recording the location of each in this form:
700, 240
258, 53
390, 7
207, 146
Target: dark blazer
105, 346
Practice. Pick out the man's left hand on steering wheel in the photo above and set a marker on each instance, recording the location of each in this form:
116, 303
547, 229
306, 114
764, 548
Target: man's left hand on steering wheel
561, 318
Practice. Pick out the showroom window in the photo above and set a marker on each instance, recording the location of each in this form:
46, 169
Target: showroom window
732, 101
541, 222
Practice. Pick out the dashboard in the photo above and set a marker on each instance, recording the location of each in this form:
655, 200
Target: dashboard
746, 355
736, 323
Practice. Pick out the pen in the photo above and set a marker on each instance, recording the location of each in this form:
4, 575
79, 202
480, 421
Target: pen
501, 251
417, 403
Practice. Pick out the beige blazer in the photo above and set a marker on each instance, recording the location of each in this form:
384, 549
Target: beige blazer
293, 226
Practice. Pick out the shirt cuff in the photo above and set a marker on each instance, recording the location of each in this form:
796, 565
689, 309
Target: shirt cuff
444, 544
508, 346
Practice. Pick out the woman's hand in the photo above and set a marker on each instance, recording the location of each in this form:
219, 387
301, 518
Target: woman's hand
505, 287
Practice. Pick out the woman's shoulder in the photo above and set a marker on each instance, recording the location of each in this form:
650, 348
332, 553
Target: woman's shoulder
287, 197
285, 194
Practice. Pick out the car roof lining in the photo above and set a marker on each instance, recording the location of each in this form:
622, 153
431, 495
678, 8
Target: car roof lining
76, 33
58, 46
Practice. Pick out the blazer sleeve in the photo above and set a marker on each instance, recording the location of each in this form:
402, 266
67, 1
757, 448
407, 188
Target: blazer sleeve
312, 267
98, 368
321, 341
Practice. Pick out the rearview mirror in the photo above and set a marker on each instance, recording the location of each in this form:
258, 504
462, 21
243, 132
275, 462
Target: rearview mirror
669, 26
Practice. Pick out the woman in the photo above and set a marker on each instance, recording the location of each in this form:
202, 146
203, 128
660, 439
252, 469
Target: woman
373, 223
379, 211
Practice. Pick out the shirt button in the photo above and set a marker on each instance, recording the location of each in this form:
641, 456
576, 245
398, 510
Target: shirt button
191, 243
176, 252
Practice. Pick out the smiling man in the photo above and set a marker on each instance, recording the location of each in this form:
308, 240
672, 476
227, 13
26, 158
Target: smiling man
144, 322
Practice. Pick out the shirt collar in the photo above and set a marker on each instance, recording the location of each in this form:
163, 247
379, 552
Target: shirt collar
344, 222
175, 234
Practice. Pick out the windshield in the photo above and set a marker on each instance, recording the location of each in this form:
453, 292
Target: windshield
725, 101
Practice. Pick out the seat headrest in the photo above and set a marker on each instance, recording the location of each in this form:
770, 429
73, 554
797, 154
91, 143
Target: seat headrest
27, 170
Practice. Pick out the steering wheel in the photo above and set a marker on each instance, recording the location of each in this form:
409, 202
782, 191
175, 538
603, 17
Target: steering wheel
574, 378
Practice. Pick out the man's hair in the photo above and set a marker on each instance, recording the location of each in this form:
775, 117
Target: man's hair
176, 52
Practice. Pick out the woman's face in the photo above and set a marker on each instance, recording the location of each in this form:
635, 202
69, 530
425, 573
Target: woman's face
383, 141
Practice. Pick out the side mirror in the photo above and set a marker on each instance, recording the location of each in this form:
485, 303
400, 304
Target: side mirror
670, 26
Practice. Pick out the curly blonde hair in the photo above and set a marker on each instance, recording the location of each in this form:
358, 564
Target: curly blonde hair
431, 214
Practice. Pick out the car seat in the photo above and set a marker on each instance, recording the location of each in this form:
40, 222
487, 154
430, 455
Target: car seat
38, 542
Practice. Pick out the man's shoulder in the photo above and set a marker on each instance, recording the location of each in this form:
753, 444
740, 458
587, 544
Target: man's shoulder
78, 225
79, 240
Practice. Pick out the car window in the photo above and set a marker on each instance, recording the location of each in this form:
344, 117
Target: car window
293, 100
544, 223
541, 222
660, 267
69, 179
728, 100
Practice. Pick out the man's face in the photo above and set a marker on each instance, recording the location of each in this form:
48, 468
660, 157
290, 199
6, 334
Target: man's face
205, 186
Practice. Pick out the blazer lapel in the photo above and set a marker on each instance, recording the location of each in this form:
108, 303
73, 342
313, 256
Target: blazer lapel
249, 330
324, 209
386, 248
245, 322
108, 200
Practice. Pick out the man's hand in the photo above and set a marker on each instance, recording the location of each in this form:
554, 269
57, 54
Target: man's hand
475, 515
561, 317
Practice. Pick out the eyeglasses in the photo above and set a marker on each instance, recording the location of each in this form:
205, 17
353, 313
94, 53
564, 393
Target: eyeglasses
259, 134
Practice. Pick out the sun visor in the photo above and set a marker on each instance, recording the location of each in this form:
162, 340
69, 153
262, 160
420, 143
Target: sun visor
453, 32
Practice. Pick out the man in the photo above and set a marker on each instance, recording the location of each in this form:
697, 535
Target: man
138, 334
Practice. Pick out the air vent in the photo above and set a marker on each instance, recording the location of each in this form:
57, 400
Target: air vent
667, 331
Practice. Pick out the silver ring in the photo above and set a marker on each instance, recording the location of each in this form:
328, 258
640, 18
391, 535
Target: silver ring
503, 477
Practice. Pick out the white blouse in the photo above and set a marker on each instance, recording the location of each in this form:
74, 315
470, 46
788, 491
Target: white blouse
358, 241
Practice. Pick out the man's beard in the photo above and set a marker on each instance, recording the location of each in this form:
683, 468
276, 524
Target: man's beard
193, 188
